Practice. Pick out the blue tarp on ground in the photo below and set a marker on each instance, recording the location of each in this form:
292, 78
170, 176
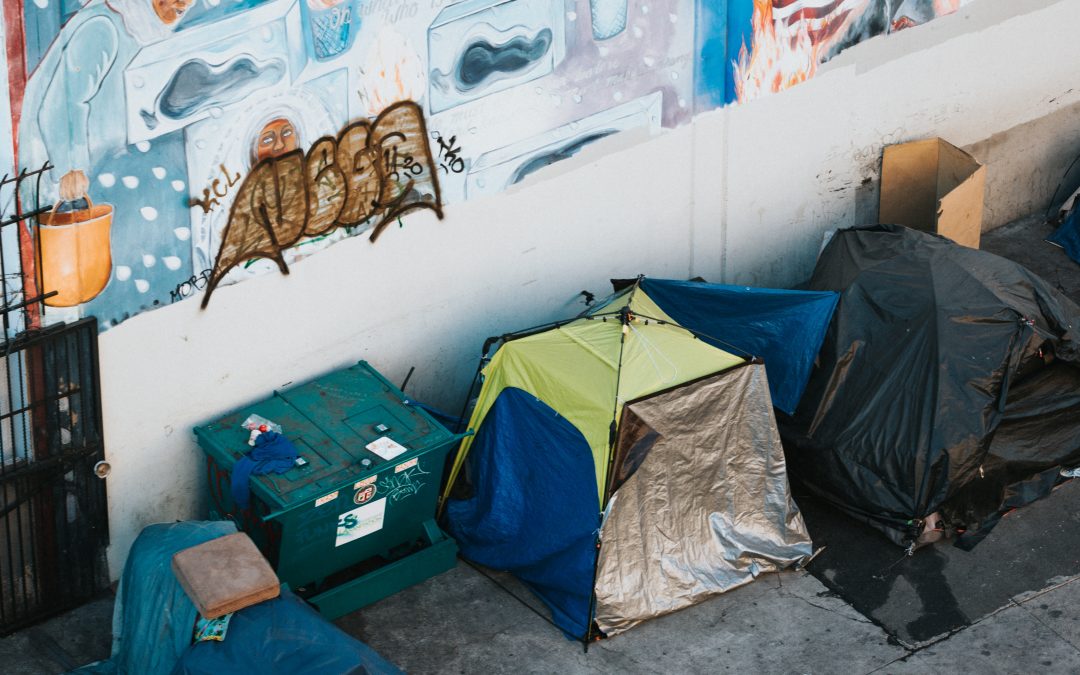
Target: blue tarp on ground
785, 328
1068, 235
283, 636
534, 511
154, 620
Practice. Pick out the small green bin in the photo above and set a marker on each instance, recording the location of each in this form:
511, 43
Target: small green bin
348, 526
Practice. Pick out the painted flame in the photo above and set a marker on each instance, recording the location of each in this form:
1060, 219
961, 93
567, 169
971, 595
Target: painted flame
785, 53
780, 57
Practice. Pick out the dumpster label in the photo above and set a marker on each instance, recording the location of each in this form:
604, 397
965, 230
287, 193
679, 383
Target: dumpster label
364, 494
326, 499
360, 522
406, 465
367, 481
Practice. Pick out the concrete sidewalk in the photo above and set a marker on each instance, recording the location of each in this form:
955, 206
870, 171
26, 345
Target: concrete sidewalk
461, 622
783, 623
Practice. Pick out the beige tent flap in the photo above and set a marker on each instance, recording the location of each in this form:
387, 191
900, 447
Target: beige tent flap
703, 505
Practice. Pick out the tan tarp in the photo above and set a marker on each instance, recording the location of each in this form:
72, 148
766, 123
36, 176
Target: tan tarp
708, 507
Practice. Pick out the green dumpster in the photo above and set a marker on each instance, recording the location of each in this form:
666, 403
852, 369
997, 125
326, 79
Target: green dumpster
354, 521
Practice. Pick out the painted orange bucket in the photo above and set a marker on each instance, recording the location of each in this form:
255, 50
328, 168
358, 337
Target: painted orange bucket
76, 255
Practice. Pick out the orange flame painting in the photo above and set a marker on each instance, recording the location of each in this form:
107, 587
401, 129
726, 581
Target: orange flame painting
790, 40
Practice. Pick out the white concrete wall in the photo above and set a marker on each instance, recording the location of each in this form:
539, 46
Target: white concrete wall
742, 195
791, 166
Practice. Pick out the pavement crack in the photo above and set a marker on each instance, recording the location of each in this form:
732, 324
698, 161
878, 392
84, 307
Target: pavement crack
1049, 627
857, 619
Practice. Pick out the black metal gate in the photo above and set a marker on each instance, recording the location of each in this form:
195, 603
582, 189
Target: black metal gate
53, 517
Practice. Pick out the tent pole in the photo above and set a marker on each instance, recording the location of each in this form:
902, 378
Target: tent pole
440, 507
625, 316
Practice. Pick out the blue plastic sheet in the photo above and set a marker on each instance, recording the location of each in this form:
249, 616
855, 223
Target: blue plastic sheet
1067, 236
785, 328
283, 636
153, 618
533, 511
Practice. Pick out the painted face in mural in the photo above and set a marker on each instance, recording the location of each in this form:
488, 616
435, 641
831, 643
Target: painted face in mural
276, 138
170, 11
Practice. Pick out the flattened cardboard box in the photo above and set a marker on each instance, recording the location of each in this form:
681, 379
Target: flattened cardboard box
225, 575
933, 186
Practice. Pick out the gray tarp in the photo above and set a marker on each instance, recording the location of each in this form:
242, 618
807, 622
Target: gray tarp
708, 507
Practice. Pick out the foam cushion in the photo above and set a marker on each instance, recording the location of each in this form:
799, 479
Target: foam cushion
225, 574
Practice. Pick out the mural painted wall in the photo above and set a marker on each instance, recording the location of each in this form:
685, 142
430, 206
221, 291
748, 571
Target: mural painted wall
197, 143
775, 44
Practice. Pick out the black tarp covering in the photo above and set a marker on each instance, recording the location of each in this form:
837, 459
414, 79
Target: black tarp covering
949, 378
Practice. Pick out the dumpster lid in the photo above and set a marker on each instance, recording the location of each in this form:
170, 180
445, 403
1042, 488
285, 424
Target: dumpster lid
346, 426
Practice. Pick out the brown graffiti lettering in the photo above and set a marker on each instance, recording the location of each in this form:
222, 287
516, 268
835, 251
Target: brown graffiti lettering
219, 189
371, 173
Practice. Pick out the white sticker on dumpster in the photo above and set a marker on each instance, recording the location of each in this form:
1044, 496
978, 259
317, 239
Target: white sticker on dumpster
386, 447
360, 522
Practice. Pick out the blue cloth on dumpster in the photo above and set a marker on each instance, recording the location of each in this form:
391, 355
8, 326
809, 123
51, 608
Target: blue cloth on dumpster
1068, 235
153, 618
285, 636
273, 453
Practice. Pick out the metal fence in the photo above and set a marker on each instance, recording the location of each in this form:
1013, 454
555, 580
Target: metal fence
53, 516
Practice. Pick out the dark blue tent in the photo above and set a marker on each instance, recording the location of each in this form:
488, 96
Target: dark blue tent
536, 514
1068, 235
785, 328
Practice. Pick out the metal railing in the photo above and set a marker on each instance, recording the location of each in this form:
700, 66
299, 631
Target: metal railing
53, 510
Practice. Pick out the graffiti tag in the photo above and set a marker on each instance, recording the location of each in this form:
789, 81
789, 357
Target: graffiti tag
188, 287
218, 189
449, 151
403, 484
370, 174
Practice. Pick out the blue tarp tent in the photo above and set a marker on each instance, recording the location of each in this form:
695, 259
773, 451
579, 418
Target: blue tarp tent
553, 545
1067, 236
786, 328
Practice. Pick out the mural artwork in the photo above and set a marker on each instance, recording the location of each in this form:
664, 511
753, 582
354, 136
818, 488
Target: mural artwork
372, 172
197, 143
775, 44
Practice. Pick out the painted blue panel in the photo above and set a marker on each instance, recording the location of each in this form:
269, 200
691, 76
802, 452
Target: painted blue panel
714, 64
740, 32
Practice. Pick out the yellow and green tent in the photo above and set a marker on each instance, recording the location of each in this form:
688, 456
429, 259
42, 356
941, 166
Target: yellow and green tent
622, 467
